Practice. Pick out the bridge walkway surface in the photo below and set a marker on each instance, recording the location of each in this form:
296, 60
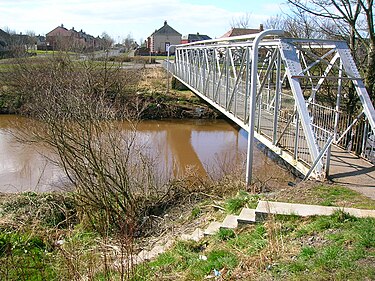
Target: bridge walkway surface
352, 171
290, 94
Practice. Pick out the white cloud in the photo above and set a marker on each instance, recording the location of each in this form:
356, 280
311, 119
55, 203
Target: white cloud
119, 17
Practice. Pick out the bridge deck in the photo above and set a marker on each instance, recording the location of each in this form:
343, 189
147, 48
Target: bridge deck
352, 171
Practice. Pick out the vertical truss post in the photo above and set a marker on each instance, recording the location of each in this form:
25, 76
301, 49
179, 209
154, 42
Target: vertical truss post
247, 90
253, 94
364, 141
227, 72
277, 97
296, 137
337, 117
259, 111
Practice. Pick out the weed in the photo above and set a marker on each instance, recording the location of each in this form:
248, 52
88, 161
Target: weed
307, 253
225, 234
24, 256
250, 242
50, 209
243, 198
195, 212
347, 241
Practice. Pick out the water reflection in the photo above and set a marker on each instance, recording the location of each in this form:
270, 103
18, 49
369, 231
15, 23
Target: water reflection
206, 145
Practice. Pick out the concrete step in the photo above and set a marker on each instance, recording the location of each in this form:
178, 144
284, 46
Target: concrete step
186, 237
158, 249
142, 256
197, 235
230, 221
247, 216
304, 210
212, 228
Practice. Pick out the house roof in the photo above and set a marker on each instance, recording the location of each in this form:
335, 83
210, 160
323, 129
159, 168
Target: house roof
59, 28
196, 37
4, 35
241, 31
166, 30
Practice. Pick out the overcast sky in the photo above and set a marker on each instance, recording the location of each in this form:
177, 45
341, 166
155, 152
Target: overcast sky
136, 17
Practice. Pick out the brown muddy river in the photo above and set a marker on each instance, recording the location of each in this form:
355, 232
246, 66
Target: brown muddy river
210, 146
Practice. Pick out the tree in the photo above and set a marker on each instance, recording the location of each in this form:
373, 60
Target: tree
107, 41
241, 22
349, 17
299, 25
128, 43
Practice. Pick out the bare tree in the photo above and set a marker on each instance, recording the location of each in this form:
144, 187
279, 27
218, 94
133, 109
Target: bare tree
77, 115
355, 16
107, 41
300, 25
242, 21
128, 43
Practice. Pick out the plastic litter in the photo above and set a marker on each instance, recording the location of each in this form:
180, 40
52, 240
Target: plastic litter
216, 272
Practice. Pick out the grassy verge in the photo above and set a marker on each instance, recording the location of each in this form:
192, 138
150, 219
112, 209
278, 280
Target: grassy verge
46, 237
323, 194
338, 247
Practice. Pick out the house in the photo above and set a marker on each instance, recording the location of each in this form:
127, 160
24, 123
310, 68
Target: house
23, 42
4, 40
41, 43
242, 31
71, 39
15, 44
161, 39
194, 38
62, 38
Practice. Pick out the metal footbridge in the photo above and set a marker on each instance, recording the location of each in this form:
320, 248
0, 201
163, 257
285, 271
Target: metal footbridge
293, 95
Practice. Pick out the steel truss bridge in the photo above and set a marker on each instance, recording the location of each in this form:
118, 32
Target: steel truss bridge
290, 94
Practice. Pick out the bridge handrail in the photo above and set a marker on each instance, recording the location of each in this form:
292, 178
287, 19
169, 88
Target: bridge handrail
261, 35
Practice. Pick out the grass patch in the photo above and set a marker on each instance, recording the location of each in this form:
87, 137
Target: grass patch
188, 261
25, 256
225, 234
47, 209
342, 243
324, 194
242, 199
335, 195
250, 242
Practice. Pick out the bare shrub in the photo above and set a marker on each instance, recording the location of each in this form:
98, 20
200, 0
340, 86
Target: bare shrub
77, 112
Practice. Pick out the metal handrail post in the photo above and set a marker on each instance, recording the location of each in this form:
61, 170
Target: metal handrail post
253, 93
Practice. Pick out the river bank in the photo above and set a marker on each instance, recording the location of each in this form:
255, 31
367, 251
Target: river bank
44, 236
146, 88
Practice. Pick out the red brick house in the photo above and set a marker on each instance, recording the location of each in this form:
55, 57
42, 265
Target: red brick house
242, 31
62, 38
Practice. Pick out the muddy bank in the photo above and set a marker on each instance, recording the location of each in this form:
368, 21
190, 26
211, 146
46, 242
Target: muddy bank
146, 94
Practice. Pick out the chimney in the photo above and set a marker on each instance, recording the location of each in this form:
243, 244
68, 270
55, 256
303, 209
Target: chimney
165, 22
62, 25
261, 28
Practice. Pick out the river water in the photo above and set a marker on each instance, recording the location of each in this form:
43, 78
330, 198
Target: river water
210, 146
